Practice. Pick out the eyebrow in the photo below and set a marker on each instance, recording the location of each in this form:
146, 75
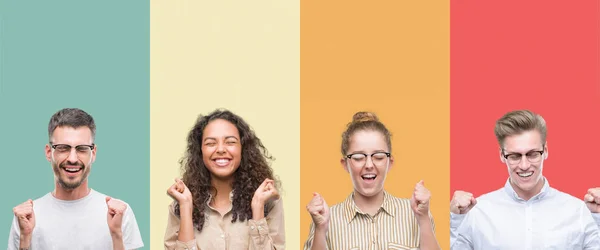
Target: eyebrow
363, 152
510, 153
226, 137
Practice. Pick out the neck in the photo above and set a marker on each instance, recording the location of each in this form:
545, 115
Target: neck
368, 204
223, 187
77, 193
527, 195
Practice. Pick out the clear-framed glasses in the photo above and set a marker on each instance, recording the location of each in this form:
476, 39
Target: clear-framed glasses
533, 156
379, 159
62, 150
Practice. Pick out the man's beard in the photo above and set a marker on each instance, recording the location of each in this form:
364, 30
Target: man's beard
70, 185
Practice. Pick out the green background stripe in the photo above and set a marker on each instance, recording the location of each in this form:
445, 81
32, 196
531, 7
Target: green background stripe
93, 55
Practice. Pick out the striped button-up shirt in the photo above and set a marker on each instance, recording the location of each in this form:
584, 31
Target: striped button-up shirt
394, 226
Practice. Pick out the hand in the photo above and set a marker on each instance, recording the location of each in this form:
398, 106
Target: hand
26, 217
462, 202
265, 193
114, 216
419, 202
180, 192
592, 200
319, 211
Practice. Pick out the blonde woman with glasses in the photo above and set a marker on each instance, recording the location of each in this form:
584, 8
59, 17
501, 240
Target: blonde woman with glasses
371, 218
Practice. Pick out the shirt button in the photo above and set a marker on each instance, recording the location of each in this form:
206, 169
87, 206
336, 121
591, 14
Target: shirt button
222, 236
252, 227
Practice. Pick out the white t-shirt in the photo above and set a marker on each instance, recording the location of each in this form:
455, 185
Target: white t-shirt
78, 224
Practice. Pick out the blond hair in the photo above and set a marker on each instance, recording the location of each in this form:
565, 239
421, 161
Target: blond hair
517, 122
364, 121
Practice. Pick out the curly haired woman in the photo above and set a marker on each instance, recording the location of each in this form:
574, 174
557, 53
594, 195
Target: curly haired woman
228, 197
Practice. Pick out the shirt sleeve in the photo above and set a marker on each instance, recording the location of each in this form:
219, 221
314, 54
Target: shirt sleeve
460, 238
132, 239
268, 232
14, 235
596, 217
172, 232
591, 230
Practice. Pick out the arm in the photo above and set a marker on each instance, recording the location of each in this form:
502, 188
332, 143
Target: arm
180, 230
459, 240
462, 202
591, 232
317, 239
455, 221
175, 238
427, 234
267, 232
14, 237
114, 217
596, 217
117, 240
419, 203
23, 225
132, 239
319, 213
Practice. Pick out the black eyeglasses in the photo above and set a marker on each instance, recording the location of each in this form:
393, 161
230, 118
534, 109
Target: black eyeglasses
82, 150
533, 156
379, 159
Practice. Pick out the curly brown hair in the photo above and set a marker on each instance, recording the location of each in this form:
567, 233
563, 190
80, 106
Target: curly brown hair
253, 170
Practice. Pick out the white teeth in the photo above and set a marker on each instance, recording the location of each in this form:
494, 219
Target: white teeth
72, 169
527, 174
222, 162
369, 176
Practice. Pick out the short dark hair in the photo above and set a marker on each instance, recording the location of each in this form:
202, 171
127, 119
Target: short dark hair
71, 117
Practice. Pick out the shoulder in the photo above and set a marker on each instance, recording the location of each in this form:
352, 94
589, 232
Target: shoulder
44, 203
398, 201
100, 198
47, 198
565, 200
338, 207
491, 197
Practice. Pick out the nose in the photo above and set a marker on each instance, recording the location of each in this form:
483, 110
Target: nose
73, 158
524, 164
220, 147
369, 163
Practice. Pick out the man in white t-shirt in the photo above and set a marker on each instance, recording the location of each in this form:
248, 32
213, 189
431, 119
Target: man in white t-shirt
73, 216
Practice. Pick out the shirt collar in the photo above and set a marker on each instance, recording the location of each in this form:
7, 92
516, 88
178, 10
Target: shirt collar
210, 197
350, 209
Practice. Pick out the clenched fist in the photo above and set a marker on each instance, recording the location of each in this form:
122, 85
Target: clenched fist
592, 200
419, 201
319, 211
26, 217
180, 192
462, 202
265, 193
114, 216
